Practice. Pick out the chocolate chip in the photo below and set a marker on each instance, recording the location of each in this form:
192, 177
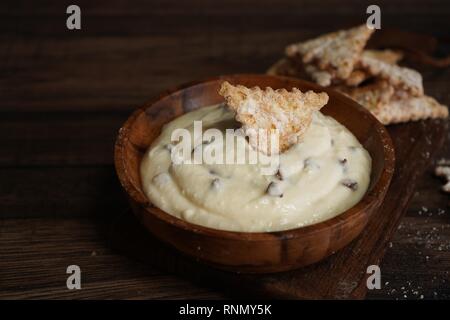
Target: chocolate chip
309, 163
332, 142
216, 184
343, 163
195, 148
204, 143
274, 190
279, 175
350, 183
210, 141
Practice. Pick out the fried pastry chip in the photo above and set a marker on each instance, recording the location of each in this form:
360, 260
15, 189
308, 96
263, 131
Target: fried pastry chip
287, 112
410, 109
356, 77
403, 78
388, 56
359, 75
335, 52
285, 67
321, 77
372, 96
391, 105
288, 67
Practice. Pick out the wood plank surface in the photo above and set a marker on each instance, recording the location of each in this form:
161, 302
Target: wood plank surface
64, 94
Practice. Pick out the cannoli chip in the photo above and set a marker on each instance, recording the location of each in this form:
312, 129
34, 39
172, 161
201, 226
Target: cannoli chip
287, 112
410, 109
337, 51
373, 96
404, 78
388, 56
390, 105
359, 74
356, 77
285, 67
321, 77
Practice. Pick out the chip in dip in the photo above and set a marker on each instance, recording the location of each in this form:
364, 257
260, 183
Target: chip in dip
321, 176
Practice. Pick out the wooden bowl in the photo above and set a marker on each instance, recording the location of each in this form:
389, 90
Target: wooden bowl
241, 251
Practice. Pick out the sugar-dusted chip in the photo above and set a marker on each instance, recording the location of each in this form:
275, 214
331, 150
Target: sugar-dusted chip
372, 96
410, 109
289, 113
403, 78
356, 78
321, 77
336, 52
285, 67
391, 105
387, 55
359, 74
291, 68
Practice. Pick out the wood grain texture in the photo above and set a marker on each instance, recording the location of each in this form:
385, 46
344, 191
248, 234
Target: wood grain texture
53, 79
83, 139
49, 245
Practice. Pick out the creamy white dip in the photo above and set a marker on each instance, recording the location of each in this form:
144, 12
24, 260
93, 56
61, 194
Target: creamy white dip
318, 178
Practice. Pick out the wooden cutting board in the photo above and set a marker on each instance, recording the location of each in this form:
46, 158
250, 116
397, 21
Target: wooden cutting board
341, 276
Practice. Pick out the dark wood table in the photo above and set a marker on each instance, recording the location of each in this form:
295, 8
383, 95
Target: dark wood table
64, 94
